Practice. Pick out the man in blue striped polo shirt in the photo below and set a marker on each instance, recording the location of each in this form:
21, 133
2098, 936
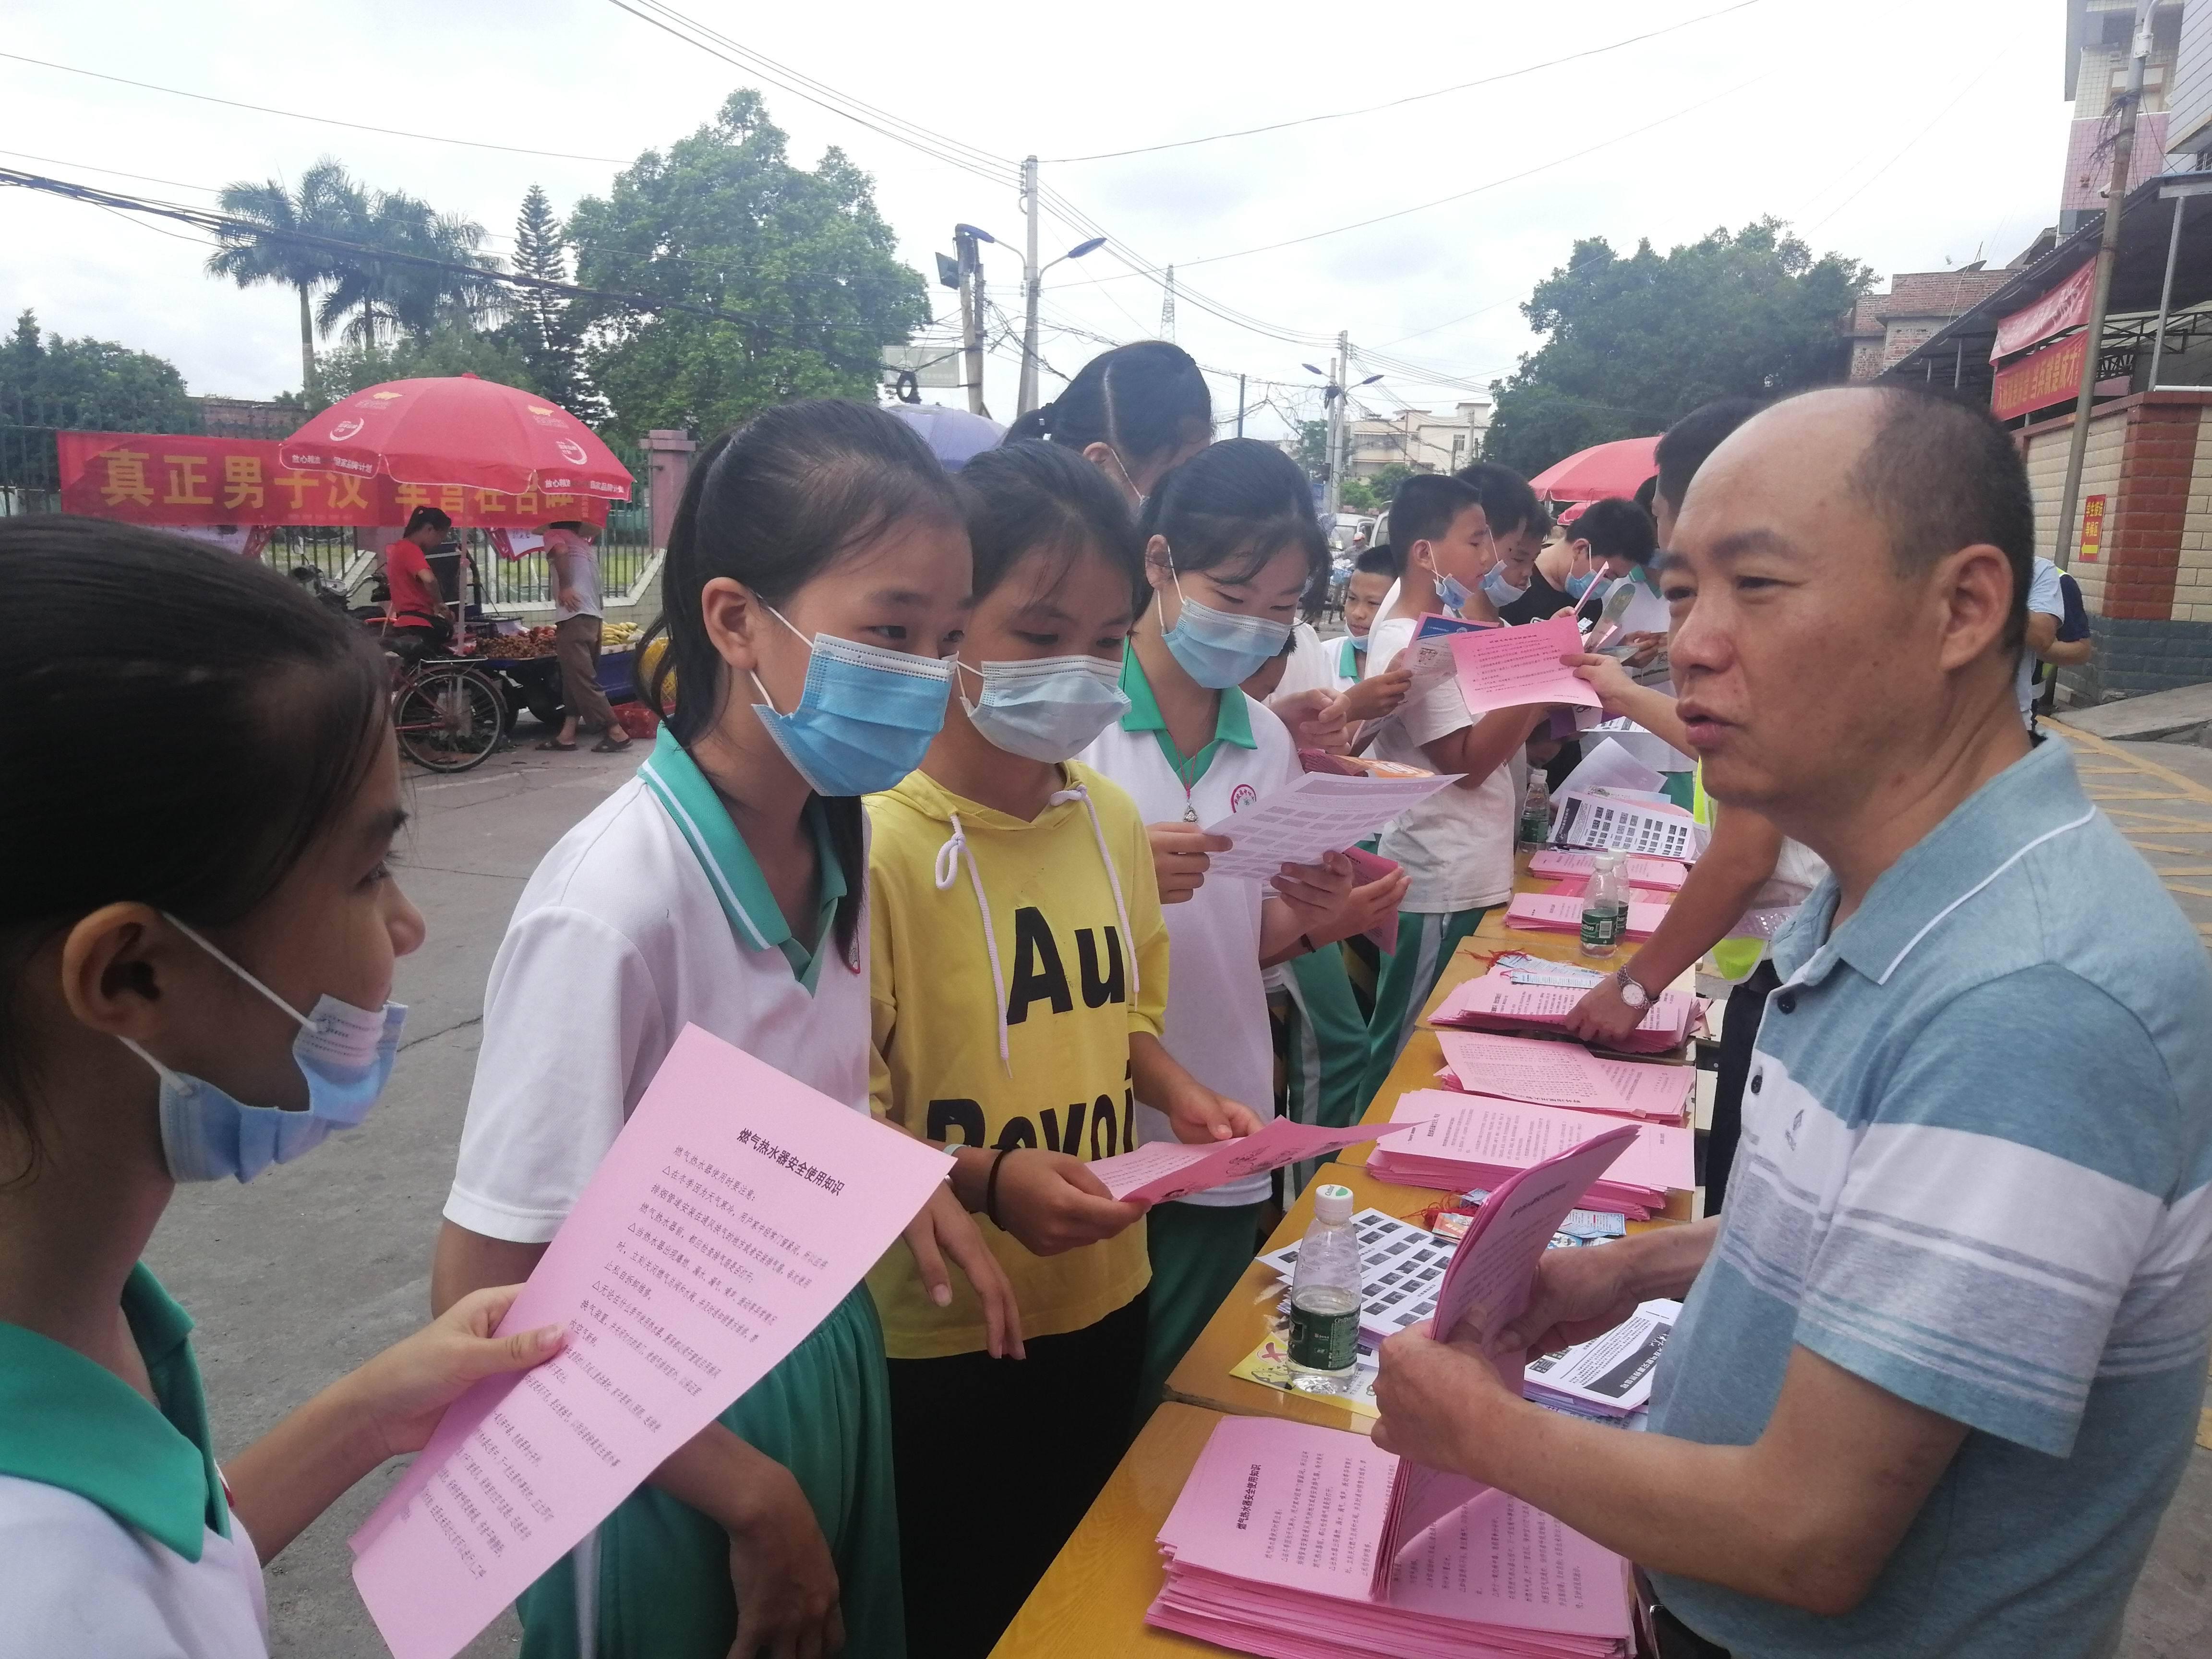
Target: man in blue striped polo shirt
1942, 1355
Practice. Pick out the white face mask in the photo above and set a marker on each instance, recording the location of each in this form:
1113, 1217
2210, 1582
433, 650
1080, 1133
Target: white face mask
1047, 708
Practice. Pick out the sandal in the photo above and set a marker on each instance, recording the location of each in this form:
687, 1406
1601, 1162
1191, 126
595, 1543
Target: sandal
609, 746
556, 744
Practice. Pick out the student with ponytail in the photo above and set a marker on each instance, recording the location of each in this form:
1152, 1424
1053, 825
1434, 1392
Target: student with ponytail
1230, 546
1135, 413
1019, 979
816, 573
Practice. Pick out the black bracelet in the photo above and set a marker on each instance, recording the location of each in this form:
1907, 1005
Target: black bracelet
1306, 940
990, 1187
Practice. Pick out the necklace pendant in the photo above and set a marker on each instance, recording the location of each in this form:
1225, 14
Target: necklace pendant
1190, 815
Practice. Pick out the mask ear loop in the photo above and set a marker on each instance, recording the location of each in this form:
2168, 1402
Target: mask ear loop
753, 674
208, 946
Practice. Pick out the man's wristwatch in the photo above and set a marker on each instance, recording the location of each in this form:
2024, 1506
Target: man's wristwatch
1631, 990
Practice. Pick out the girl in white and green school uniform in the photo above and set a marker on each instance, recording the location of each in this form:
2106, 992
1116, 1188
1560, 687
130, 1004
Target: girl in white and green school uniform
1230, 546
816, 574
197, 935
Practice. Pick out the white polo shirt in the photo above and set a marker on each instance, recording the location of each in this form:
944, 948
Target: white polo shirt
115, 1535
1456, 846
1217, 1015
1314, 665
649, 916
2045, 598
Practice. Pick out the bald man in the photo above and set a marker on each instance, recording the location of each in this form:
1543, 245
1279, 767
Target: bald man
1942, 1355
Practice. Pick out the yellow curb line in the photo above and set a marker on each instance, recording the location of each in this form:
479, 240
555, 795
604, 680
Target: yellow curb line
2195, 790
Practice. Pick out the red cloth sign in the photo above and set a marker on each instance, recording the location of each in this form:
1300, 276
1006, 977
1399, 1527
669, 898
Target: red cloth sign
145, 477
2065, 306
2051, 376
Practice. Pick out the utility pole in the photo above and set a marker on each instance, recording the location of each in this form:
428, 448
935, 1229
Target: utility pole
971, 316
1336, 424
1032, 280
1240, 405
1167, 307
2108, 253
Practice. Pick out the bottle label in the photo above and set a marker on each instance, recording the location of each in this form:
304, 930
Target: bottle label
1603, 925
1324, 1341
1536, 825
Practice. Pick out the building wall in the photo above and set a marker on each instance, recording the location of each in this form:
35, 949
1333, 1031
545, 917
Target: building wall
2189, 103
2149, 592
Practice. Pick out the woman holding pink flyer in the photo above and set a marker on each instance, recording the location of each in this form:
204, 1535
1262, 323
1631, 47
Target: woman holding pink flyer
1230, 546
816, 576
198, 934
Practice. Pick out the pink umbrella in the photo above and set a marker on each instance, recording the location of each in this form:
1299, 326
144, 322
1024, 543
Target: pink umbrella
459, 430
1619, 468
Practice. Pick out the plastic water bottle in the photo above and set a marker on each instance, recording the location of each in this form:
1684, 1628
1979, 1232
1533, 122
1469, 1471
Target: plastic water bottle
1325, 1294
1536, 812
1604, 906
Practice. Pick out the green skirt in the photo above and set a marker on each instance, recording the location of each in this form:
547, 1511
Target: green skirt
653, 1581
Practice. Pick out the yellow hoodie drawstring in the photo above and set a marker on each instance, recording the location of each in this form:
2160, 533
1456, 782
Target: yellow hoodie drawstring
948, 857
1076, 792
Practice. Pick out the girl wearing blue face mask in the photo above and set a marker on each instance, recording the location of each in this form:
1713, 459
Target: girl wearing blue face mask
1018, 981
815, 579
1230, 544
197, 939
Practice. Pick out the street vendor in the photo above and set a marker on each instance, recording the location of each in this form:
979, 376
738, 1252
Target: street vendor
577, 617
420, 623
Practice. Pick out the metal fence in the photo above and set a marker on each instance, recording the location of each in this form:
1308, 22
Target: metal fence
30, 481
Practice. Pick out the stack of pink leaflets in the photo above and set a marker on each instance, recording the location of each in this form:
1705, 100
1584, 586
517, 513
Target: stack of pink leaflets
1562, 913
1283, 1542
1493, 1002
1163, 1170
1545, 1072
1661, 875
1454, 1142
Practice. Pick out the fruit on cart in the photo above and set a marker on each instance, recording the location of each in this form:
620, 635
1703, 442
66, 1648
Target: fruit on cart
618, 633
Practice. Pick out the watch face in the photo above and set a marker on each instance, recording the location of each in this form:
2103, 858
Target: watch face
1632, 993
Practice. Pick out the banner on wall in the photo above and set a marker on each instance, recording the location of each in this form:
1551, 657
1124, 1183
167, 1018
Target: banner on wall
2065, 306
2051, 375
156, 478
2093, 531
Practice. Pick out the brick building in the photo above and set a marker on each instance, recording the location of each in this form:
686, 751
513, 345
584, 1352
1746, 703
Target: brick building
1886, 327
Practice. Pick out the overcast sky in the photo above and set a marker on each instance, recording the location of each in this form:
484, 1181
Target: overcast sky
1901, 132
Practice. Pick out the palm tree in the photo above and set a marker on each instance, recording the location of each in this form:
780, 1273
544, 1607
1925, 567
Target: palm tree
376, 300
327, 203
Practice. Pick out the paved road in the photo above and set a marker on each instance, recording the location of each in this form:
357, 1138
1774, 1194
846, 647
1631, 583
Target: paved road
314, 1267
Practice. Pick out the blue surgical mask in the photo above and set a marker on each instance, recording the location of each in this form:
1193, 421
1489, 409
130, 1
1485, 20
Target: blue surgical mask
1219, 648
864, 718
1047, 708
1578, 585
1359, 640
345, 1053
1500, 591
1452, 594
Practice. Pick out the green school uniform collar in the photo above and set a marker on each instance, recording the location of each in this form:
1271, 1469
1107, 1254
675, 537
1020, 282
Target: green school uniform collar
731, 870
68, 1422
1232, 725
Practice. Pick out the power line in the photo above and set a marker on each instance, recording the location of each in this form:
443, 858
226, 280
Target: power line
1415, 98
296, 115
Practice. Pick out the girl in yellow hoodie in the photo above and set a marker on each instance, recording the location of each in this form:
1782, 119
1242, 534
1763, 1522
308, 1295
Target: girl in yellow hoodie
1019, 975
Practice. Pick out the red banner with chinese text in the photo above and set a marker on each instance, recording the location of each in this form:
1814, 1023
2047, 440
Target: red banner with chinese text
2051, 376
145, 477
2065, 306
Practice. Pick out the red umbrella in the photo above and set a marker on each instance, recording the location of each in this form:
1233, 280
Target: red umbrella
461, 431
1619, 468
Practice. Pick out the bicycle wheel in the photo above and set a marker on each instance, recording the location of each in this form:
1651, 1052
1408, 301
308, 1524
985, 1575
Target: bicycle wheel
449, 719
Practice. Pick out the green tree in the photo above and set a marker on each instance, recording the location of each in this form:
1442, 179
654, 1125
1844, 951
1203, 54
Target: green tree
1632, 343
1388, 476
724, 219
1358, 495
541, 325
1313, 447
373, 301
95, 385
327, 202
449, 348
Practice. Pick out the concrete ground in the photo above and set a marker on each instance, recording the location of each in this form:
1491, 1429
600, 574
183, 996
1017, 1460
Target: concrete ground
315, 1267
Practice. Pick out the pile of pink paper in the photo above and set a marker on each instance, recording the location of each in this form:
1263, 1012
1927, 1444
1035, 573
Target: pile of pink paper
1661, 875
1453, 1142
1493, 1002
1562, 913
1545, 1072
1271, 1547
1278, 1545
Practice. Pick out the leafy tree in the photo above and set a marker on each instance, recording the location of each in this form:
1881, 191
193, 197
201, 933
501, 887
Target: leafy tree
1386, 478
541, 325
372, 302
95, 385
327, 203
1313, 446
1358, 495
1632, 343
450, 347
724, 219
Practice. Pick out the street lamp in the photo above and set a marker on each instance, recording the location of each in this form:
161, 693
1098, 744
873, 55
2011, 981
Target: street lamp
1027, 398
